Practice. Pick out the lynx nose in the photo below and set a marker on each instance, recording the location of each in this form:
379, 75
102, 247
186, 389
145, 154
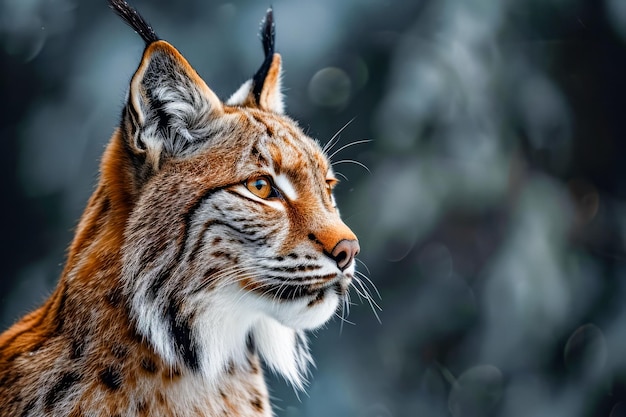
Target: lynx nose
344, 252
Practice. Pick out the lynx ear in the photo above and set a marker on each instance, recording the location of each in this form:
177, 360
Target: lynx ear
171, 109
263, 90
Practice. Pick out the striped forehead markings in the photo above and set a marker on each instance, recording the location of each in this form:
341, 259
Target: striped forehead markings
282, 181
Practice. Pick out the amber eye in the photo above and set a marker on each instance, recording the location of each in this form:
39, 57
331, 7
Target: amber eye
261, 187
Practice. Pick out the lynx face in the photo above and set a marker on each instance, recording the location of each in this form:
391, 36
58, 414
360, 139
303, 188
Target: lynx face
234, 213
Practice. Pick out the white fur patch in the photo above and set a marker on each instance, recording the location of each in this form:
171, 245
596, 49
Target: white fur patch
282, 181
284, 350
239, 96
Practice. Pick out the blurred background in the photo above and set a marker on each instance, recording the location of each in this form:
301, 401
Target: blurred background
492, 219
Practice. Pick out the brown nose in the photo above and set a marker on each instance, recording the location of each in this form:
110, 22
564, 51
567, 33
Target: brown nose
344, 252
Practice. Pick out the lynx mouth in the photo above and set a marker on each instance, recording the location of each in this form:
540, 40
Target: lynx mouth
339, 286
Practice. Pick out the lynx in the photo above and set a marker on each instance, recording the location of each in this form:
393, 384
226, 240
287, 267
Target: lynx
210, 245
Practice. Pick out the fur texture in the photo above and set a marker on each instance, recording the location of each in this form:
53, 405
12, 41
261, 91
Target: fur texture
212, 242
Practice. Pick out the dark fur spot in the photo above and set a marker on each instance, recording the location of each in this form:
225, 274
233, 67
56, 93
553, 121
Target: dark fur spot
231, 368
285, 290
292, 269
59, 389
111, 378
141, 406
77, 349
30, 406
160, 398
293, 256
106, 205
217, 240
257, 404
318, 299
60, 313
119, 351
180, 329
222, 254
313, 238
149, 365
157, 284
256, 155
114, 297
251, 344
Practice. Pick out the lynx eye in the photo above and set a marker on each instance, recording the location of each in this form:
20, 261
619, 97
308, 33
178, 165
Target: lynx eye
261, 187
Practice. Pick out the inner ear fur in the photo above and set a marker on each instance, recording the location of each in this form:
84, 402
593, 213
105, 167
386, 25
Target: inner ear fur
171, 108
266, 96
271, 97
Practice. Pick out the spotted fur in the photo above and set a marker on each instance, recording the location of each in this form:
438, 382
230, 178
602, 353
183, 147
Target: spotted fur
181, 279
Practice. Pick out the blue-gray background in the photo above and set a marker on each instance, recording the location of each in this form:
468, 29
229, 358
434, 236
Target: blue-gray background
493, 219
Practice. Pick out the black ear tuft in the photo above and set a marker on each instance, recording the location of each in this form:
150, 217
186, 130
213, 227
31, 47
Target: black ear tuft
134, 20
268, 35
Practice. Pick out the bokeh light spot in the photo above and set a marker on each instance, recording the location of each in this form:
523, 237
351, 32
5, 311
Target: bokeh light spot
330, 87
586, 350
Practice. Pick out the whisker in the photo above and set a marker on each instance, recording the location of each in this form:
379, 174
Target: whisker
364, 266
352, 161
341, 175
343, 320
329, 145
356, 142
369, 299
361, 274
360, 293
369, 295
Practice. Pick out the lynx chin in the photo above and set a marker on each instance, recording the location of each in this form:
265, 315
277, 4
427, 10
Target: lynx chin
210, 245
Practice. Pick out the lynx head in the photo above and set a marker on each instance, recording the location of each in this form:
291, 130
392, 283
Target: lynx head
232, 235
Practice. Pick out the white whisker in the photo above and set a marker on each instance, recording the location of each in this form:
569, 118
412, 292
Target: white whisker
369, 299
364, 266
361, 274
356, 142
352, 161
342, 175
329, 145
